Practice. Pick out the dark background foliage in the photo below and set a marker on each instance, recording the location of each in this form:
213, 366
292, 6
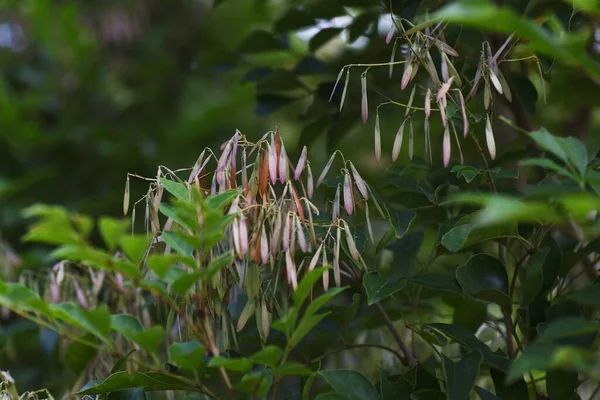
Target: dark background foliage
92, 90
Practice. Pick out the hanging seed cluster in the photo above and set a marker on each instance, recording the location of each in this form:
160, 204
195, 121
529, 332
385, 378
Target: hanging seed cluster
275, 223
443, 87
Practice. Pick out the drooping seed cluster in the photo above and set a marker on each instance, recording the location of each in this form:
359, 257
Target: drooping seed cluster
275, 218
418, 54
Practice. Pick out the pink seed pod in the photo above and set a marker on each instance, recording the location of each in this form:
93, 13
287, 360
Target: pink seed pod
447, 148
348, 200
301, 163
272, 158
428, 103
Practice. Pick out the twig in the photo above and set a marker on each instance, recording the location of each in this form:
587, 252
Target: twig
358, 346
409, 358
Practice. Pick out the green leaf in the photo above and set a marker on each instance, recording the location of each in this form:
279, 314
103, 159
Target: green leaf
269, 356
135, 247
222, 200
485, 278
256, 383
323, 299
177, 241
306, 284
161, 263
306, 324
588, 296
150, 381
176, 189
503, 210
15, 296
469, 341
461, 376
400, 221
112, 230
292, 368
436, 282
182, 284
218, 263
79, 355
95, 321
534, 276
465, 235
231, 364
378, 288
466, 171
132, 329
562, 385
188, 355
173, 212
351, 384
547, 164
568, 327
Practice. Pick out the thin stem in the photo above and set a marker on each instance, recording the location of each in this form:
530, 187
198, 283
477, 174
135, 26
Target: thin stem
358, 346
487, 166
409, 358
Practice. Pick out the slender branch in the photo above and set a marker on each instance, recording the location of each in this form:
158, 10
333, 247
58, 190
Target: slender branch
409, 358
358, 346
486, 164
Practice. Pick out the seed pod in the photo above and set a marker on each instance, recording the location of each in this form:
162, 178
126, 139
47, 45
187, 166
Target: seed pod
283, 165
276, 237
223, 162
487, 94
309, 183
348, 203
326, 273
392, 57
495, 81
126, 197
272, 163
301, 237
445, 48
301, 163
452, 71
246, 313
315, 258
336, 258
83, 301
505, 86
442, 107
336, 83
428, 103
444, 89
345, 89
444, 68
287, 233
390, 34
377, 139
291, 271
350, 241
243, 236
432, 70
411, 140
325, 170
264, 246
263, 173
410, 100
236, 138
336, 205
407, 75
427, 141
463, 109
446, 147
54, 290
360, 182
489, 137
266, 318
398, 142
119, 282
364, 102
369, 227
